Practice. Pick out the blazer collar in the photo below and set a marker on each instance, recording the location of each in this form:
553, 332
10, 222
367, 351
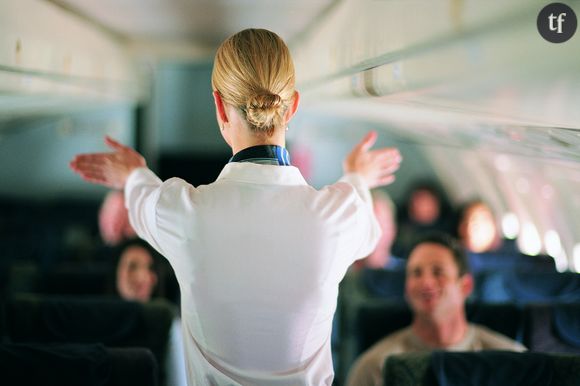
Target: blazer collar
261, 174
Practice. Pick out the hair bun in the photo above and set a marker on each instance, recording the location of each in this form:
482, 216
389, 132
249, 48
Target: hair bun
266, 101
265, 111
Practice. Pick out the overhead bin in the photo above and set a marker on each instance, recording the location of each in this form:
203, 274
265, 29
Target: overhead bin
51, 59
485, 60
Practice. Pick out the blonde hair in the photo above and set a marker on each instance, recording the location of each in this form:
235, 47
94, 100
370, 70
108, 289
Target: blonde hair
253, 71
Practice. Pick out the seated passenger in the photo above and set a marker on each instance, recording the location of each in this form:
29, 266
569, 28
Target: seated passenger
437, 284
136, 275
477, 228
114, 225
117, 232
427, 209
486, 249
382, 258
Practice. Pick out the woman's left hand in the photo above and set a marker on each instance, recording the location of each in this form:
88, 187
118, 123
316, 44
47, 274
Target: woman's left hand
376, 167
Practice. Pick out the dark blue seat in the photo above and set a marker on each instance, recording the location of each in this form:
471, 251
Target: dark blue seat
33, 364
483, 368
553, 328
533, 287
383, 284
528, 287
64, 279
508, 258
112, 322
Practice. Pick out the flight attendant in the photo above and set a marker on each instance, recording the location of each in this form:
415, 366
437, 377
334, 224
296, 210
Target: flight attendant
258, 253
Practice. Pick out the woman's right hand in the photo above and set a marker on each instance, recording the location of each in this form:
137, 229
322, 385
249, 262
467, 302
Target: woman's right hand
377, 167
108, 169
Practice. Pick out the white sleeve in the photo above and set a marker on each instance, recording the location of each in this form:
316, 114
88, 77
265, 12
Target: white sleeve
142, 191
370, 230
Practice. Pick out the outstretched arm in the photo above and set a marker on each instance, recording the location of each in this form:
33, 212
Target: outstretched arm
109, 169
376, 167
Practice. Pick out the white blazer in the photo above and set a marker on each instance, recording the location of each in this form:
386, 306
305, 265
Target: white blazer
258, 255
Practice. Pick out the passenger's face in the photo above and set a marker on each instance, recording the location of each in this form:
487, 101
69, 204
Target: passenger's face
433, 287
136, 278
479, 231
424, 207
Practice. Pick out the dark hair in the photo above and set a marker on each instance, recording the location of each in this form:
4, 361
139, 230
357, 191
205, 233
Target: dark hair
449, 242
158, 266
135, 242
446, 211
430, 186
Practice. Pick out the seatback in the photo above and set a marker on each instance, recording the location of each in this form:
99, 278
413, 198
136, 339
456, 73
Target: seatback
79, 278
63, 279
553, 328
133, 366
383, 284
544, 287
32, 364
360, 288
528, 287
76, 279
483, 368
509, 261
112, 322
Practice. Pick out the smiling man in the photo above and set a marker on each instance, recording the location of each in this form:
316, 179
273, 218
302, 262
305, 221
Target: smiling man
437, 283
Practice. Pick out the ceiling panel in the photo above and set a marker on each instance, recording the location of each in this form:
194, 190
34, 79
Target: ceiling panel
205, 22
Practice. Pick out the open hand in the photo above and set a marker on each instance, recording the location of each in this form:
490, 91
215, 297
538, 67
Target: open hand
108, 169
377, 167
